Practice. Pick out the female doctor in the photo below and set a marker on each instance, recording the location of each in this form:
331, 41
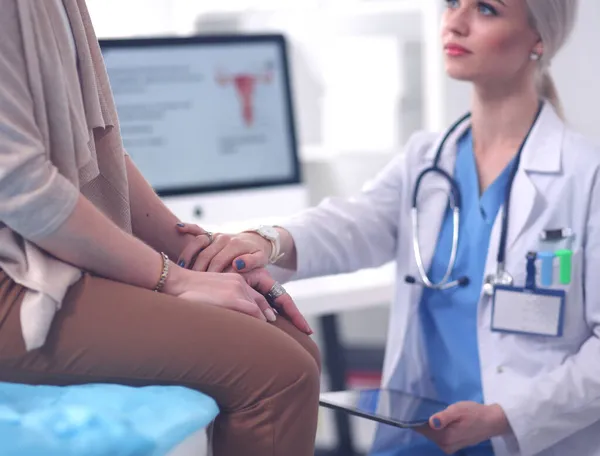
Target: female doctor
495, 229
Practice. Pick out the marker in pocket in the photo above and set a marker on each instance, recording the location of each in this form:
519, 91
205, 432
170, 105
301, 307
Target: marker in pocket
547, 270
565, 258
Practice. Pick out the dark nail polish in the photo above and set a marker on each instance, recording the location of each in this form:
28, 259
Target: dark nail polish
240, 264
181, 264
437, 423
181, 225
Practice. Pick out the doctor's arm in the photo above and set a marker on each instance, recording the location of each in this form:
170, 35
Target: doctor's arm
339, 235
344, 235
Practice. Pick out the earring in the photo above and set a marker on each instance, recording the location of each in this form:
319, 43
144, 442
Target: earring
534, 56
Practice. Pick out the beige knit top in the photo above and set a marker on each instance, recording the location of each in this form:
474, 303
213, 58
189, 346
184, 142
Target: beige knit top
58, 138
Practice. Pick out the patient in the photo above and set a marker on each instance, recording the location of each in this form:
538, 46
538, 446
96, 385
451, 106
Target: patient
87, 292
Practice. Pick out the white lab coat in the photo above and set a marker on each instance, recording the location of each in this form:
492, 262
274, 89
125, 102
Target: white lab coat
549, 388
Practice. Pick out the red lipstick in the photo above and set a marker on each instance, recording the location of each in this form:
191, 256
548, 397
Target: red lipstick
456, 50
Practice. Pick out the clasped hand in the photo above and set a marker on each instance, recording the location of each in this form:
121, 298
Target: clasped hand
238, 264
225, 252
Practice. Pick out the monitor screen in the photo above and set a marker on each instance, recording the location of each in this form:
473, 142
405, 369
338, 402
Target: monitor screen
205, 113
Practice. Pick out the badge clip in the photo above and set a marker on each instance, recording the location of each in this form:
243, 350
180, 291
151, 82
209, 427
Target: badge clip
531, 271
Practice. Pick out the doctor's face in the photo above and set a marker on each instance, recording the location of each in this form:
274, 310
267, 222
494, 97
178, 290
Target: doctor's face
488, 42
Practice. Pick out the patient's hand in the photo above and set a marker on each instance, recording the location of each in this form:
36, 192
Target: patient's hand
225, 252
261, 280
242, 252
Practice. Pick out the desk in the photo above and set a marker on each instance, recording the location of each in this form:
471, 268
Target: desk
332, 294
323, 297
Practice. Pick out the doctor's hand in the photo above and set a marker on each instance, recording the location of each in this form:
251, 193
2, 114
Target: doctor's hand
243, 252
465, 424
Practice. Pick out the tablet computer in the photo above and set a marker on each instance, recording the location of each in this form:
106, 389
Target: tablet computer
384, 405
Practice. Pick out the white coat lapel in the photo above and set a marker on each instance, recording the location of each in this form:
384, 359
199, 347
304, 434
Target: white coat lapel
542, 154
525, 200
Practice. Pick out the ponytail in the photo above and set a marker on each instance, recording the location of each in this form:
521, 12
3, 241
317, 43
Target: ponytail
549, 92
553, 20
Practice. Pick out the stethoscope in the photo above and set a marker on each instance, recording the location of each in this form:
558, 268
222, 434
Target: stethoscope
501, 277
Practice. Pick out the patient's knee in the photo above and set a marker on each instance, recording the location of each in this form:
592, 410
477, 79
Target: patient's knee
302, 369
313, 350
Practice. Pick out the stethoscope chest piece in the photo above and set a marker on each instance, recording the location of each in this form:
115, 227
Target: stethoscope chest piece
500, 278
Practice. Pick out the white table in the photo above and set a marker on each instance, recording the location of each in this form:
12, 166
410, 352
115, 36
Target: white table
340, 293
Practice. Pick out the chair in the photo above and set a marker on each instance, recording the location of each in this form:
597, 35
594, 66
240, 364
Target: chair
102, 420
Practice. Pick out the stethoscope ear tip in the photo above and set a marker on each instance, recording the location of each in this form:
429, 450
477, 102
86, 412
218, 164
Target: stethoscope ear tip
410, 279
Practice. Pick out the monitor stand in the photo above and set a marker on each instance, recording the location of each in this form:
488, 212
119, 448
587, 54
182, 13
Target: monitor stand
234, 210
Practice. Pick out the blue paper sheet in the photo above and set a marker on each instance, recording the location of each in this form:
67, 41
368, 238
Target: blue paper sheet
99, 419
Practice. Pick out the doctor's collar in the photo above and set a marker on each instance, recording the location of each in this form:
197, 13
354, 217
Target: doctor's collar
542, 153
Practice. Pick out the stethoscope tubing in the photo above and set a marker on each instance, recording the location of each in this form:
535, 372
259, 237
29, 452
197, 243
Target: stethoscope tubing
456, 206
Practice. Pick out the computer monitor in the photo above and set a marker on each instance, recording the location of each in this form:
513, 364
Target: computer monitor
209, 121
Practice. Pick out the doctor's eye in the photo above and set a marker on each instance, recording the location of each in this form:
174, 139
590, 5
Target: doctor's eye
452, 3
486, 9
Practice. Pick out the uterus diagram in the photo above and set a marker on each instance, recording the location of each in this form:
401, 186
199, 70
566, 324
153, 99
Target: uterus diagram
245, 84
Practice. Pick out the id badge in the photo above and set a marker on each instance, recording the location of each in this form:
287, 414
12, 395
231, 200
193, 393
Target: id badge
538, 311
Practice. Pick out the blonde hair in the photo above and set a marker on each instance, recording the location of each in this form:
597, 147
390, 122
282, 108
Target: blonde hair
554, 21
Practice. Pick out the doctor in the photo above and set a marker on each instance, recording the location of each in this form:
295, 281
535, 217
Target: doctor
495, 229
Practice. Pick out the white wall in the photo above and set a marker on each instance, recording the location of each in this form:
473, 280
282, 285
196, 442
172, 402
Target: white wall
577, 69
126, 18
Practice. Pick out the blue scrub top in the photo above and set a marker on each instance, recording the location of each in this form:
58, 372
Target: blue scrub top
449, 317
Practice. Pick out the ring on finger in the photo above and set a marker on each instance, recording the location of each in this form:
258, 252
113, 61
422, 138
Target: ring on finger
209, 235
276, 291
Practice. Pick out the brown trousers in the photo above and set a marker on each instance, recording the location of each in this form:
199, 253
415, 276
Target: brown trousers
265, 377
